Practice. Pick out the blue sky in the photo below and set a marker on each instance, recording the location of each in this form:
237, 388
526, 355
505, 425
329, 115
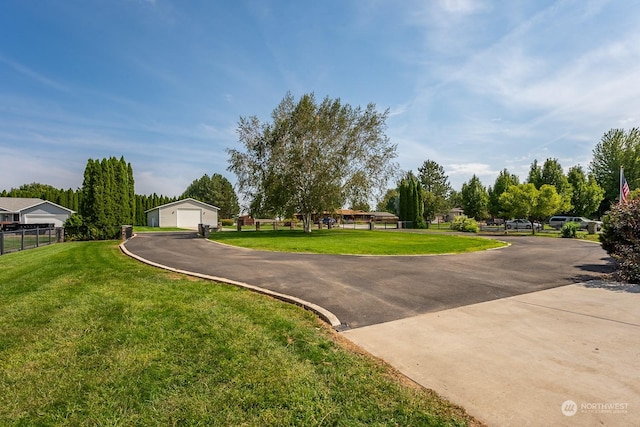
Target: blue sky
476, 86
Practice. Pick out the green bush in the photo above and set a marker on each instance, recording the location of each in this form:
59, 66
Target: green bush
570, 229
463, 223
226, 222
621, 239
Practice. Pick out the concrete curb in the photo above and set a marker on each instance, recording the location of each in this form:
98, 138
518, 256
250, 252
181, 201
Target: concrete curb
324, 314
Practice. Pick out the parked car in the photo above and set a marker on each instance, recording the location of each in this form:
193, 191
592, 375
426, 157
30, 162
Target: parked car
521, 224
495, 221
328, 221
558, 221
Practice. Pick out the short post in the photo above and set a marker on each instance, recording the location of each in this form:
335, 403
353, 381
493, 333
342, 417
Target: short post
59, 234
275, 225
257, 225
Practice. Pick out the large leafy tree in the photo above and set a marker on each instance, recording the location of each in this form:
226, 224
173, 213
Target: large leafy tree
437, 189
586, 193
389, 202
503, 181
474, 198
551, 173
617, 148
217, 191
526, 201
312, 156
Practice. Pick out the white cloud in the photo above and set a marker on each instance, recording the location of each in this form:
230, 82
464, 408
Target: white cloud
28, 72
463, 7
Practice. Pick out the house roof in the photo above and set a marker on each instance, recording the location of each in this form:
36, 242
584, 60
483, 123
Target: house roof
189, 199
351, 212
18, 204
383, 215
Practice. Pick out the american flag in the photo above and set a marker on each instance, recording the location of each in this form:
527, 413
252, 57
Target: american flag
624, 188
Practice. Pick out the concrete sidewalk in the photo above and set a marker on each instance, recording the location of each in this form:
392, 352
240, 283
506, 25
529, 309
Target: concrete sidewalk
568, 356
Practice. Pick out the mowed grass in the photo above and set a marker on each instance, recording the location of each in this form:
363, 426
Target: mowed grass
356, 242
89, 336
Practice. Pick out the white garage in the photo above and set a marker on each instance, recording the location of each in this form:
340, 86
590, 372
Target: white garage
186, 213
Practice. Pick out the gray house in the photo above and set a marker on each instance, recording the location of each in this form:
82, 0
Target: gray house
19, 210
186, 213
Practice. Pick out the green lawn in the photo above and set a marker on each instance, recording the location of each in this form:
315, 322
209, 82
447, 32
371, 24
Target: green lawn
356, 242
89, 336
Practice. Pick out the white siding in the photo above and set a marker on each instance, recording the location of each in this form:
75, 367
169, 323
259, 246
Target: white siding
57, 220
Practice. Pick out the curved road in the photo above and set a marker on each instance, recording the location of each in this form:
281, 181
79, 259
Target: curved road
366, 290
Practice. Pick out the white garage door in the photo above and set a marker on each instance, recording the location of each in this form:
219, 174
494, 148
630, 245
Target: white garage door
57, 220
189, 218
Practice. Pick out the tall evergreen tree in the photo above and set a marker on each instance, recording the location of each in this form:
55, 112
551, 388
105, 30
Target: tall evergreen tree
474, 198
106, 197
216, 191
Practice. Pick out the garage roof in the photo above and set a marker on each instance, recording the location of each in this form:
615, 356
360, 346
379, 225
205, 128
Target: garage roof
19, 204
189, 199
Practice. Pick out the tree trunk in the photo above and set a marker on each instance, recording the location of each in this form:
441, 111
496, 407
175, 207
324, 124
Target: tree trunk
306, 220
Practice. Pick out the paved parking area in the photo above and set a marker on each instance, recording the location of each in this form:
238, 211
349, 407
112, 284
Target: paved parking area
363, 290
525, 335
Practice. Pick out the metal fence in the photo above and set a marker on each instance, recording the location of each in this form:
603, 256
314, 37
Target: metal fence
19, 240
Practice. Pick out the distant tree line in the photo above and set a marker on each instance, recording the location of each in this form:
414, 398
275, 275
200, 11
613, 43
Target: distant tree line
107, 199
546, 191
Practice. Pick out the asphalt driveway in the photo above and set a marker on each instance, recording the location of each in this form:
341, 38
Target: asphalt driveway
525, 335
366, 290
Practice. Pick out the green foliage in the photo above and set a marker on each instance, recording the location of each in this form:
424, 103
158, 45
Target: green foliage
474, 198
436, 187
67, 198
411, 201
433, 179
226, 222
389, 202
526, 201
620, 237
503, 181
313, 157
570, 229
464, 223
75, 228
108, 198
586, 195
551, 173
217, 191
617, 148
